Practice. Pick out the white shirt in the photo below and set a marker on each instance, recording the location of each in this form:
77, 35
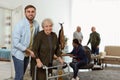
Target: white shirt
78, 35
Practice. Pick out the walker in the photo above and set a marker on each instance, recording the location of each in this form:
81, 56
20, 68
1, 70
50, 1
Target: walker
59, 72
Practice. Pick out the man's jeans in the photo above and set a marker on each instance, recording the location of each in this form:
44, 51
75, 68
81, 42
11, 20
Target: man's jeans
26, 62
19, 68
75, 66
95, 50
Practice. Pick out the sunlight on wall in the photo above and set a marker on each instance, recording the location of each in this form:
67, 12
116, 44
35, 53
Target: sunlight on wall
104, 15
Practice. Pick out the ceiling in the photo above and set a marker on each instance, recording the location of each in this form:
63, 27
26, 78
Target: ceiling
11, 4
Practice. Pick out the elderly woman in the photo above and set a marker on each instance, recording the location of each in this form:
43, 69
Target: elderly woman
44, 47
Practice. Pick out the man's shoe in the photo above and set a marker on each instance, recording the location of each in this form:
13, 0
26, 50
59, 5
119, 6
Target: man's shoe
73, 79
77, 78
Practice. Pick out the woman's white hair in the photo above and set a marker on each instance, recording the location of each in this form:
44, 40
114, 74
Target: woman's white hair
46, 20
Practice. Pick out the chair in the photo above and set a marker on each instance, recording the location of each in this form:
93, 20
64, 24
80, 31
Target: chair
89, 65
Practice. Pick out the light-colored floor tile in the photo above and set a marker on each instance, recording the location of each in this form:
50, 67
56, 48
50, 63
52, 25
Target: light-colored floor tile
6, 70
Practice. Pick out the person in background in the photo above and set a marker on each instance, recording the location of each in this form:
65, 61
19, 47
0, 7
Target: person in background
78, 34
79, 58
22, 40
94, 40
45, 46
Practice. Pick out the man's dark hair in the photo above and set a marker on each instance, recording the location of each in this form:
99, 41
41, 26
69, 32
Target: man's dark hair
76, 41
29, 6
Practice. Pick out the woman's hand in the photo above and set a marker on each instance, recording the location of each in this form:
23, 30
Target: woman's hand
64, 54
39, 63
61, 60
55, 57
71, 55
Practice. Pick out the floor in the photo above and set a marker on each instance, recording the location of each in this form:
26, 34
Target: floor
5, 70
110, 73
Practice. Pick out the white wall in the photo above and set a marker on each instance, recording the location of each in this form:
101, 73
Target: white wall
104, 15
5, 27
10, 4
57, 10
17, 15
1, 27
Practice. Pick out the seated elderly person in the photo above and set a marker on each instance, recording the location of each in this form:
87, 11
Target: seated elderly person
79, 58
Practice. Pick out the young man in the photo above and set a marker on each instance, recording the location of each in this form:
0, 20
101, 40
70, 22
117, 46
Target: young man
79, 58
22, 39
